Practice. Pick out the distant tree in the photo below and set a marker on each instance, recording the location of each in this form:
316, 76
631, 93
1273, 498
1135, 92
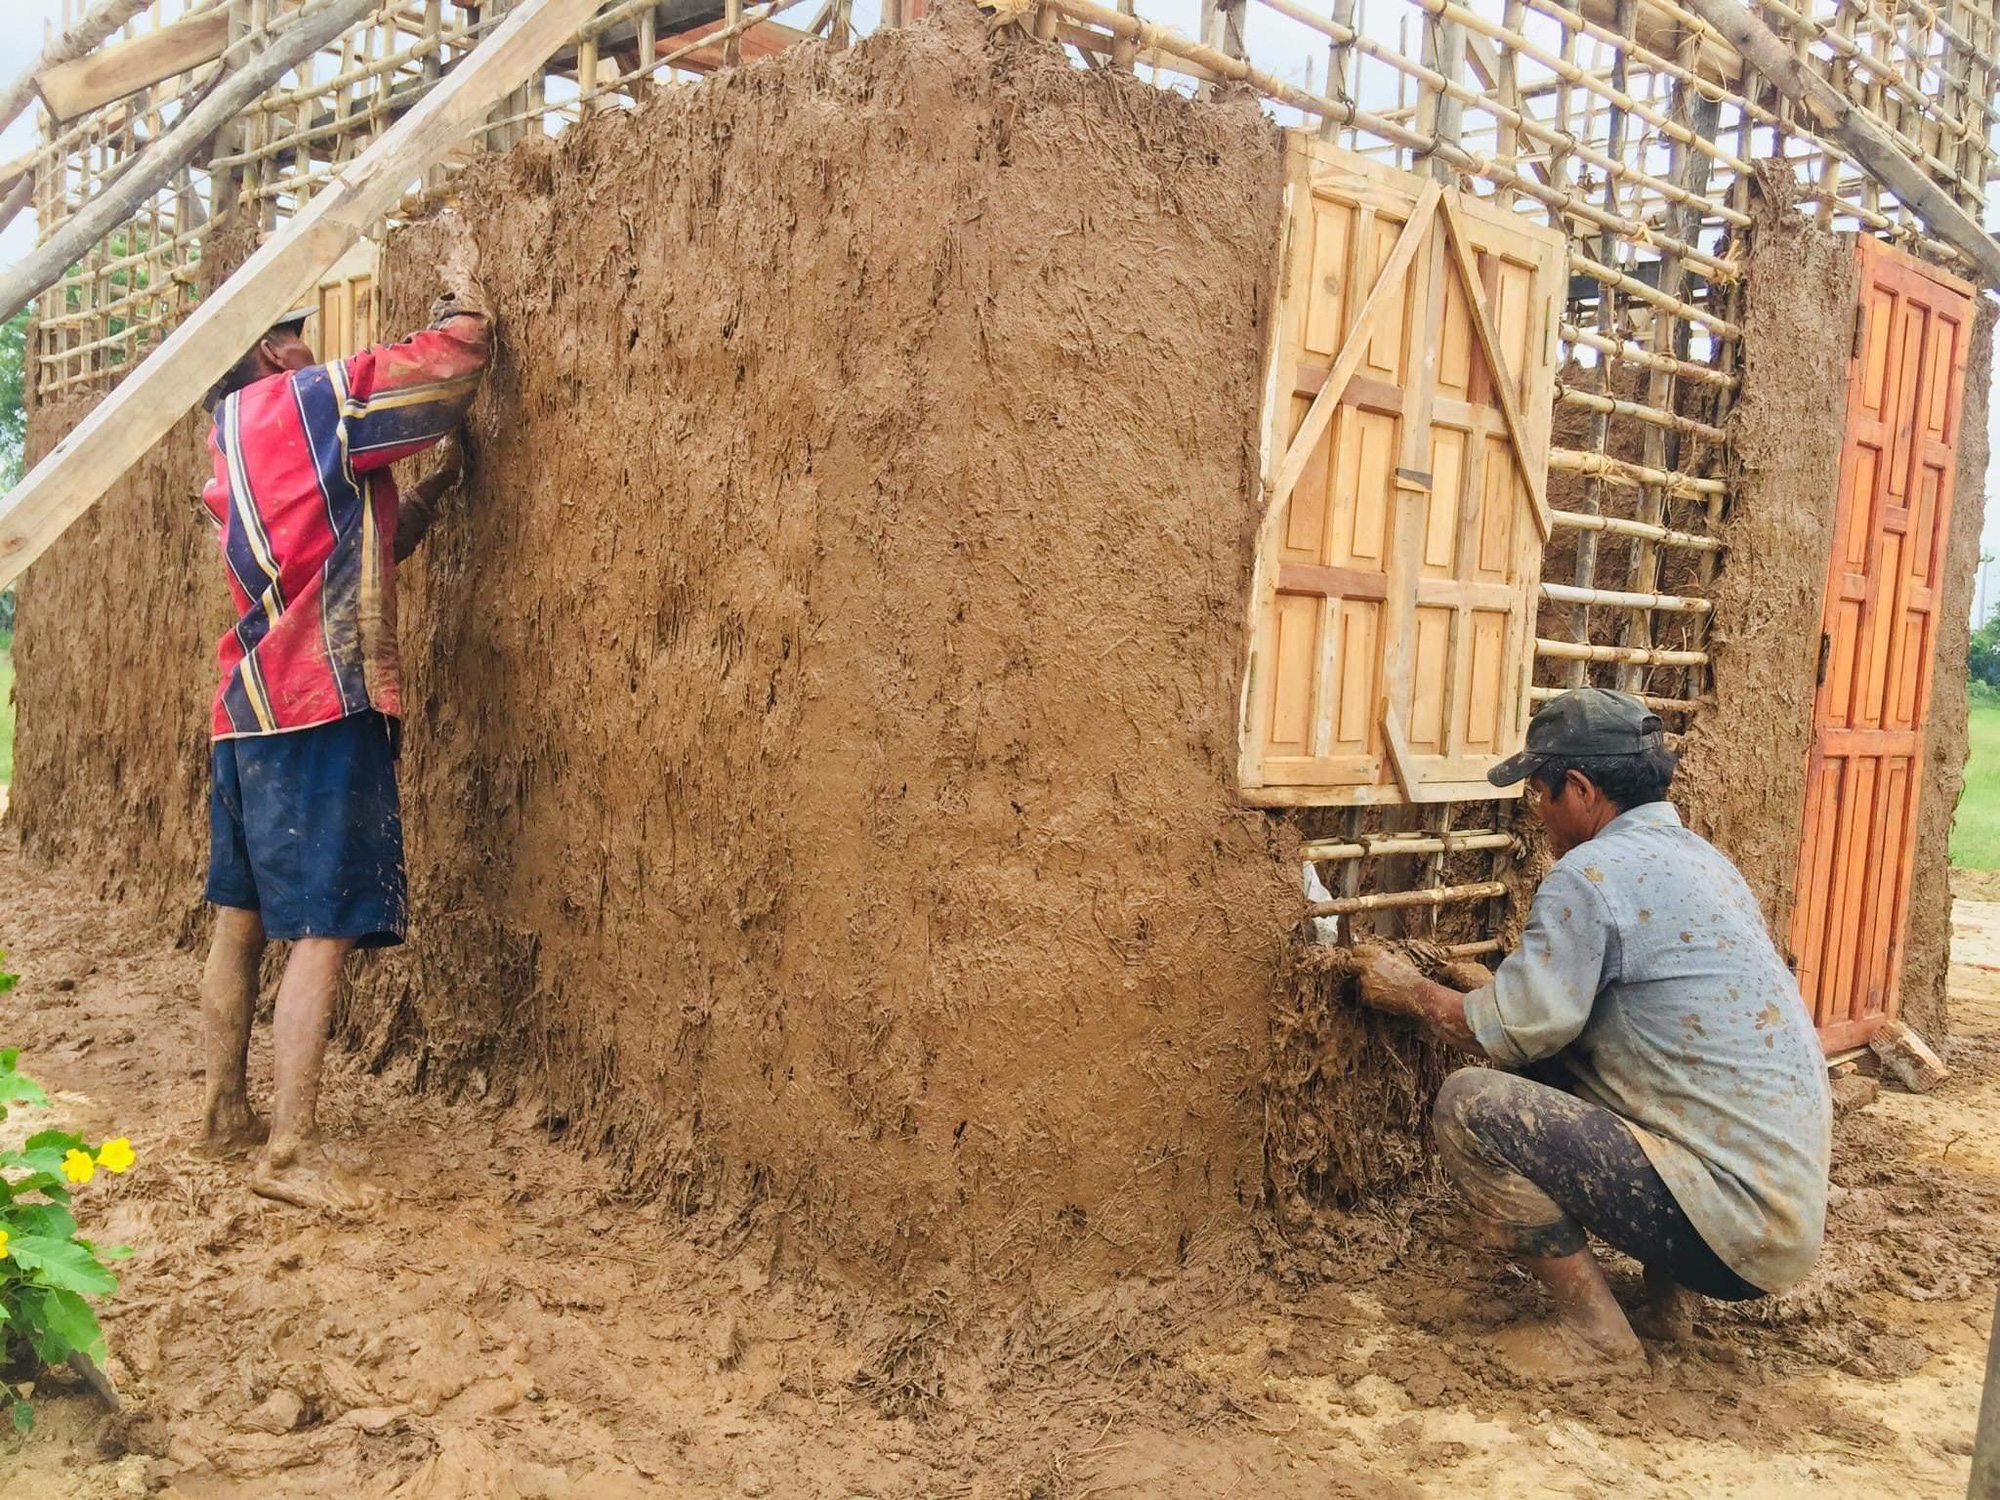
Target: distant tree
1983, 664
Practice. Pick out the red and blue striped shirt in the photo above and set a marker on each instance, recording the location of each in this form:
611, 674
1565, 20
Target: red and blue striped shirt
306, 505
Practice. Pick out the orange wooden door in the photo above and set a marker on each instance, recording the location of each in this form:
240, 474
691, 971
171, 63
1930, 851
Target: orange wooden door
1884, 584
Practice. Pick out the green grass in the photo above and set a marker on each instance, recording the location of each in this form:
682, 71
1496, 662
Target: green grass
1975, 836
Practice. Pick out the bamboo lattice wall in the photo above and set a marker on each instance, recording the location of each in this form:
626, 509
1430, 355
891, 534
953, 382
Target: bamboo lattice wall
1627, 123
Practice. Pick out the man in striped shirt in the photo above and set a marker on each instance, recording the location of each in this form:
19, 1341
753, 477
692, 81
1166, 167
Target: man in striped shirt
306, 842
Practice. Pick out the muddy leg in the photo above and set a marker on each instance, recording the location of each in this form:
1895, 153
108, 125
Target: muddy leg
1588, 1332
228, 1001
1668, 1314
295, 1168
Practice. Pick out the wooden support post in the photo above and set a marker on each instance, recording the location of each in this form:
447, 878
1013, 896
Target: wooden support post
1597, 431
1507, 87
123, 427
1337, 55
1985, 1482
1439, 113
1687, 169
98, 23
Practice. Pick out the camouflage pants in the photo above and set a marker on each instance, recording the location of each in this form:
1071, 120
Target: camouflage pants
1543, 1168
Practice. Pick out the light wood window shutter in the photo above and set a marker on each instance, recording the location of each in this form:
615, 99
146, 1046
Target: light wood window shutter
1406, 450
349, 305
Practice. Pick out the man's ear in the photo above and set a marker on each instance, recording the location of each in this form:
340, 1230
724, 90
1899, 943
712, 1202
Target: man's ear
272, 352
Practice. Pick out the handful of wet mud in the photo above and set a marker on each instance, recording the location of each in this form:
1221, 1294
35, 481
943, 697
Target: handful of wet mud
1348, 1093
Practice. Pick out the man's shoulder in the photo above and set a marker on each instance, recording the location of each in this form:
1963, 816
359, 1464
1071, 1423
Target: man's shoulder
1582, 879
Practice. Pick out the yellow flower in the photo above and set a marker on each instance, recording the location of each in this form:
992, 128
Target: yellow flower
78, 1167
116, 1155
3, 1244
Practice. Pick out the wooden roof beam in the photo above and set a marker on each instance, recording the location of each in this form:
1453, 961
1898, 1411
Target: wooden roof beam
1845, 123
98, 23
82, 84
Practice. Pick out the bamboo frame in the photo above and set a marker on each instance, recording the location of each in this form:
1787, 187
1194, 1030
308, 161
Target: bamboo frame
1627, 128
1390, 845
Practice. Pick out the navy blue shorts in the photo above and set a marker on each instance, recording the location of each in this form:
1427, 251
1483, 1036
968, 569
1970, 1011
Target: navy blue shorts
306, 830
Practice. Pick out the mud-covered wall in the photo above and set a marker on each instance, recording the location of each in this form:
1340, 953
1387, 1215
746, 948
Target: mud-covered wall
1927, 944
820, 703
820, 707
115, 651
1741, 782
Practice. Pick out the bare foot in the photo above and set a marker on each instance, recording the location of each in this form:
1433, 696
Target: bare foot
229, 1127
304, 1176
1556, 1350
1667, 1315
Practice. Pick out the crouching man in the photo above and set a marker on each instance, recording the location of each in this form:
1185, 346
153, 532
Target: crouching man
1657, 1083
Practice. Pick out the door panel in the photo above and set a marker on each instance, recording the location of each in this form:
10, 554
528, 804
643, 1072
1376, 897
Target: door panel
1864, 775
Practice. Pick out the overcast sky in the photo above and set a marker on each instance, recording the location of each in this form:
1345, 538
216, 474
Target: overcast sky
1274, 40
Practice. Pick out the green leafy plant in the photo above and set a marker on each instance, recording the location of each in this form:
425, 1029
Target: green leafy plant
48, 1270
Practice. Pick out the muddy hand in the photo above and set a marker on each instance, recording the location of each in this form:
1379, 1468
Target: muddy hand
1465, 974
454, 458
1389, 981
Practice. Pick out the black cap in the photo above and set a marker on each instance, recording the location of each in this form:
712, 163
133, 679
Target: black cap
1583, 721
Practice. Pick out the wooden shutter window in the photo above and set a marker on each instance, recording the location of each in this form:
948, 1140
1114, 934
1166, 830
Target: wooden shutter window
349, 297
1407, 420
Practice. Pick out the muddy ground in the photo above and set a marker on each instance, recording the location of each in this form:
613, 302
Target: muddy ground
507, 1327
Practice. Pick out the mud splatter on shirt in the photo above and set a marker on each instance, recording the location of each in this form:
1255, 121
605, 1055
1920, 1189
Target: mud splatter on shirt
1682, 1018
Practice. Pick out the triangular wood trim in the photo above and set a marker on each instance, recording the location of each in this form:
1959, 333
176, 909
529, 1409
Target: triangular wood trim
1532, 464
1299, 453
1409, 776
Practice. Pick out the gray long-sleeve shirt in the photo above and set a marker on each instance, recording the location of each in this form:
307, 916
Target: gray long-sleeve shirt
1647, 972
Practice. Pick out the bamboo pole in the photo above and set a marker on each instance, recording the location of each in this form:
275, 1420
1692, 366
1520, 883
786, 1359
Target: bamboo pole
1863, 137
1639, 656
1385, 845
1632, 286
1638, 411
1342, 906
1636, 476
1657, 704
1632, 354
1577, 521
155, 167
1563, 593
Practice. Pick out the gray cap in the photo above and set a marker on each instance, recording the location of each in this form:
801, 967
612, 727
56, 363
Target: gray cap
1583, 721
296, 318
